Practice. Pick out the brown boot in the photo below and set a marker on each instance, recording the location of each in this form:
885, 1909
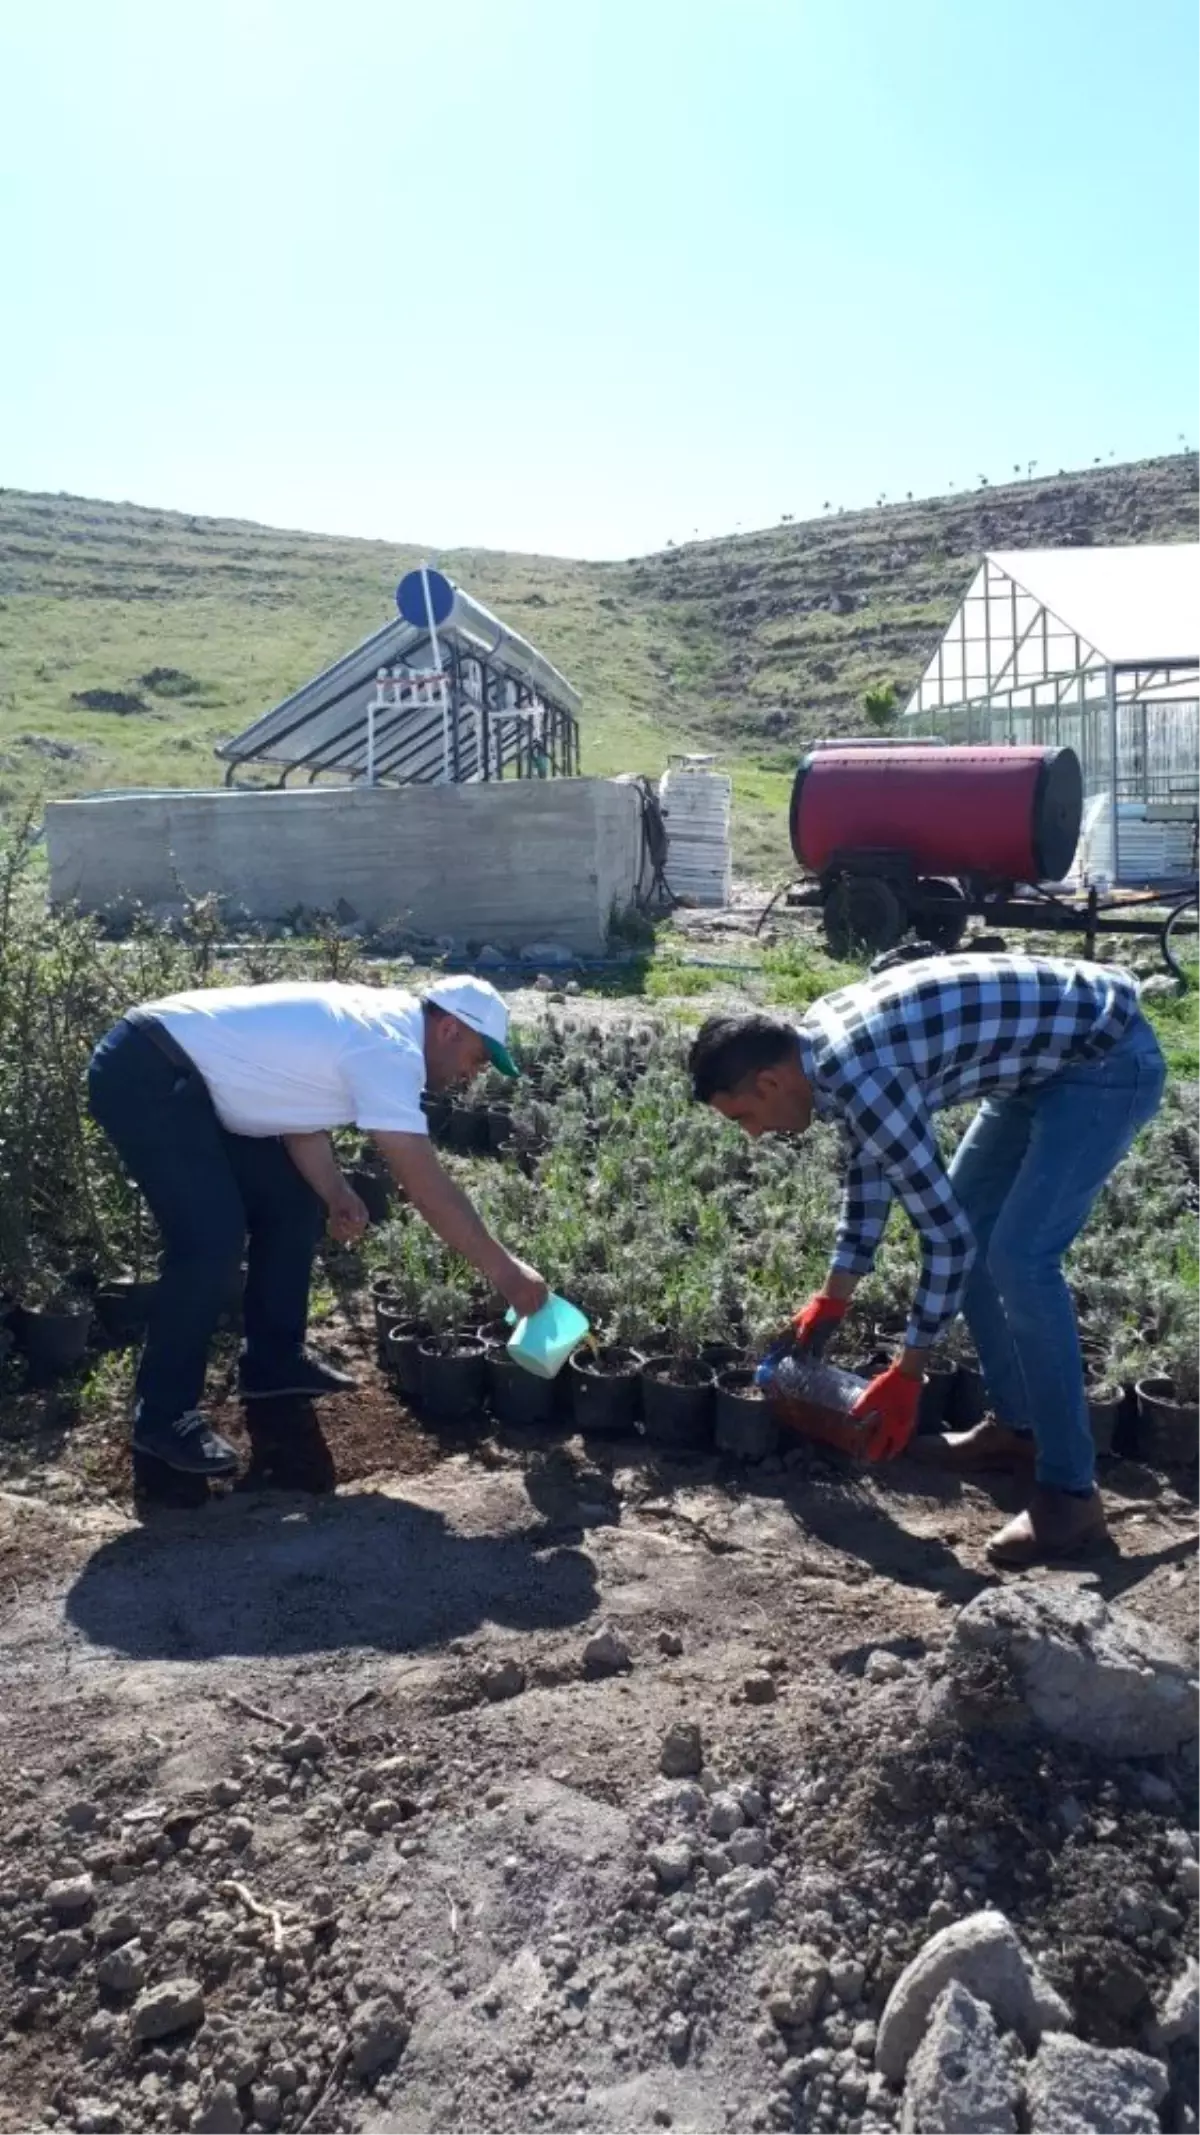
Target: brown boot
1055, 1525
986, 1445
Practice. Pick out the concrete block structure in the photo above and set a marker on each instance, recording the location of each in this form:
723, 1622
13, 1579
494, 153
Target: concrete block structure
505, 863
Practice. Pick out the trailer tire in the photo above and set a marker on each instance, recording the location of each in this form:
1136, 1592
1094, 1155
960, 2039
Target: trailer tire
941, 914
863, 912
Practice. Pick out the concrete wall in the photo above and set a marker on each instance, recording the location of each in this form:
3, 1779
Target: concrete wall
508, 863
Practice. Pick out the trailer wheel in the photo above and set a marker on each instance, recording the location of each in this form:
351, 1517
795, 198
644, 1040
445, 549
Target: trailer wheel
863, 912
942, 914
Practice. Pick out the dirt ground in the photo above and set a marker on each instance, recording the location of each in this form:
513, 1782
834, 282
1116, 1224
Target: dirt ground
433, 1903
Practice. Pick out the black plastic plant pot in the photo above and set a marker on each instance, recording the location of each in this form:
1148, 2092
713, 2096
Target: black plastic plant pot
494, 1334
606, 1390
940, 1374
966, 1399
722, 1356
467, 1129
743, 1423
54, 1342
123, 1311
403, 1359
374, 1192
499, 1127
389, 1313
453, 1374
1104, 1405
516, 1395
677, 1402
437, 1112
1170, 1428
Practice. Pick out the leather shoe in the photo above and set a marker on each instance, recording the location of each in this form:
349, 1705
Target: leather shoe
986, 1446
1056, 1524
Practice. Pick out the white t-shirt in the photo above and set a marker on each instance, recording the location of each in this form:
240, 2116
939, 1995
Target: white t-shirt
302, 1056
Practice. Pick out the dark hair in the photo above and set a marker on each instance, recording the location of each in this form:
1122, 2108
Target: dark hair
729, 1049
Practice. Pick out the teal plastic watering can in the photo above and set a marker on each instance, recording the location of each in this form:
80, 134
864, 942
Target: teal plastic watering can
544, 1341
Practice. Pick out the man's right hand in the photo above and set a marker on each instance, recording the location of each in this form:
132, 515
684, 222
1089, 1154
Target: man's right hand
347, 1215
525, 1290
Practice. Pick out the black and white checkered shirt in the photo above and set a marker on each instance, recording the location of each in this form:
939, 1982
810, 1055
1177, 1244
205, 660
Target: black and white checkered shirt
883, 1056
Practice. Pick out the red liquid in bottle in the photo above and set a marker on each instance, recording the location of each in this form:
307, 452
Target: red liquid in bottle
815, 1400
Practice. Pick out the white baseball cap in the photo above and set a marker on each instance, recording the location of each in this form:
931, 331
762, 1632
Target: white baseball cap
481, 1008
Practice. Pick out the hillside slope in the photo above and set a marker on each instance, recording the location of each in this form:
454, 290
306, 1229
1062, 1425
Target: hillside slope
190, 627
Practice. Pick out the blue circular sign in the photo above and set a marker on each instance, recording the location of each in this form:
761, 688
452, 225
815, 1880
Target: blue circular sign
411, 598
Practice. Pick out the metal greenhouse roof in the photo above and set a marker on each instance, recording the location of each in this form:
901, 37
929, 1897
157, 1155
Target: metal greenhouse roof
1032, 617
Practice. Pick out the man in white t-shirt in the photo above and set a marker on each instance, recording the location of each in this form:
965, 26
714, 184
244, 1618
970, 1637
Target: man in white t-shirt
220, 1104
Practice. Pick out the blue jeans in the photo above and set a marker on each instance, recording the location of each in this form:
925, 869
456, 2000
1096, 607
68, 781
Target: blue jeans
208, 1190
1027, 1173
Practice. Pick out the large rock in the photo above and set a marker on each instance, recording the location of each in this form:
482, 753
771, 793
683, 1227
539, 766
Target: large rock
1179, 2017
983, 1954
960, 2079
170, 2007
1082, 1670
1073, 2089
379, 2031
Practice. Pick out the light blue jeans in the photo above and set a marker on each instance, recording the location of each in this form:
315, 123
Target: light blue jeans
1027, 1173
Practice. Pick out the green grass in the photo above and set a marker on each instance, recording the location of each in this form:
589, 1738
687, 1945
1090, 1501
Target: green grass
735, 645
1177, 1022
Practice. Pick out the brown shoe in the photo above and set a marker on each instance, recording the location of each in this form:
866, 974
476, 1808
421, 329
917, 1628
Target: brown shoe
987, 1445
1055, 1525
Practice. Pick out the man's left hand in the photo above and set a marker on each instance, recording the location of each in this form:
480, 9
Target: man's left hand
348, 1217
889, 1408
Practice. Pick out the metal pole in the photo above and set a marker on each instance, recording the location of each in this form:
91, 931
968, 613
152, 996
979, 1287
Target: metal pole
1110, 683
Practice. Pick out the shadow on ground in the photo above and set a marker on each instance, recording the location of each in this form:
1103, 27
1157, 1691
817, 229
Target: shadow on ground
364, 1570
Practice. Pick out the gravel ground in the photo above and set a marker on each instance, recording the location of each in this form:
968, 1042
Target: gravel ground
529, 1784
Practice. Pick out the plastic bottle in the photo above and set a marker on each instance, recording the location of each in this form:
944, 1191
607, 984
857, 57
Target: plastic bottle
544, 1341
815, 1399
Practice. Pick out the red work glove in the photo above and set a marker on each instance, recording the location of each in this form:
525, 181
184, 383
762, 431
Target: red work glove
818, 1317
891, 1402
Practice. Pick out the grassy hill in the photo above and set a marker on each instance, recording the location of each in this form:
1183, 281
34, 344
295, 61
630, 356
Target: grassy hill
132, 640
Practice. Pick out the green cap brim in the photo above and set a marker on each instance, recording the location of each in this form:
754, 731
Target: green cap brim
501, 1058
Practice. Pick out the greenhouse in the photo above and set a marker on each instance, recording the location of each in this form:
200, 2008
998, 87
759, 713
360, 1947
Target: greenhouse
1096, 649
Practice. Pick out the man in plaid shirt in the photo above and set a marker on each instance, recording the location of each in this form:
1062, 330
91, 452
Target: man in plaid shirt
1068, 1070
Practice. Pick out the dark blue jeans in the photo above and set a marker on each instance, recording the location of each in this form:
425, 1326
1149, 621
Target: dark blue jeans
1027, 1173
208, 1191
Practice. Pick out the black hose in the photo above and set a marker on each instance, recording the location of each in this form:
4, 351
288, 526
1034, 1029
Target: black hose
655, 847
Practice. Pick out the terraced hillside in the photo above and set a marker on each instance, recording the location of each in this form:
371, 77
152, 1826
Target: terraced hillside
131, 640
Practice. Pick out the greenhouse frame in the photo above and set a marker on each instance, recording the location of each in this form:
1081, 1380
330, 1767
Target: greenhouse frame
1096, 649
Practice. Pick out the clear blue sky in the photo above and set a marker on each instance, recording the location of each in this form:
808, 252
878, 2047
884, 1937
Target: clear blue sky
585, 275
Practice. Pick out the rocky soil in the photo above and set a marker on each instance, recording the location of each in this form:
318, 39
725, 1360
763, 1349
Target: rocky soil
545, 1786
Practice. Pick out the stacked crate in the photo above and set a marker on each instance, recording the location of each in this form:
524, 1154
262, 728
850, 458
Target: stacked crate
695, 800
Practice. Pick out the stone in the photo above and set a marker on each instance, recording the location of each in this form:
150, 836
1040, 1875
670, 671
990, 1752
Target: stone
70, 1898
847, 1977
606, 1653
724, 1815
1179, 2017
490, 958
550, 954
80, 1815
173, 2006
225, 1793
672, 1863
670, 1643
1083, 1670
65, 1951
1187, 1875
960, 2080
678, 2035
747, 1849
99, 2035
983, 1954
303, 1745
682, 1752
750, 1890
382, 1814
379, 2032
760, 1687
1073, 2089
222, 2114
267, 2102
798, 1987
883, 1667
504, 1679
123, 1971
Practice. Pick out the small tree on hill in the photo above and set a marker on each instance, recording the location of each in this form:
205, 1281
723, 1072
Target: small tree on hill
881, 705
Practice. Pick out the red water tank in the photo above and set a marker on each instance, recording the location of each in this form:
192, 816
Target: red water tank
1010, 814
